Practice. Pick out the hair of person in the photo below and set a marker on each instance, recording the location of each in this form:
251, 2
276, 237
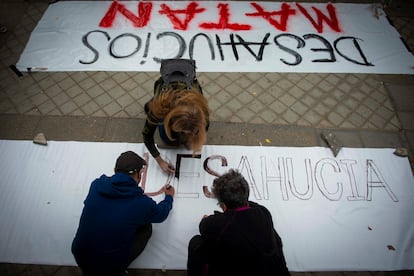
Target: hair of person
185, 112
231, 189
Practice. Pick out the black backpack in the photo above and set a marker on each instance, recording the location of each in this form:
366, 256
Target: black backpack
175, 73
178, 71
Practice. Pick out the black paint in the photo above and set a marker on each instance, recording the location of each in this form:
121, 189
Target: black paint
89, 46
237, 43
112, 45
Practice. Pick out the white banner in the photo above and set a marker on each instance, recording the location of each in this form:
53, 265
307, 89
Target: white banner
352, 212
228, 36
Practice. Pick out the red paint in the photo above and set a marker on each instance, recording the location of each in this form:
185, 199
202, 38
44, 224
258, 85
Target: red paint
284, 14
180, 18
191, 10
331, 20
144, 14
224, 21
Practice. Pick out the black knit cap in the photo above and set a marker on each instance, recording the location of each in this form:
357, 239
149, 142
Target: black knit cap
129, 162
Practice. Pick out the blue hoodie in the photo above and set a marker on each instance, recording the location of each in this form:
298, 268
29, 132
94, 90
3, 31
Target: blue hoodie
113, 210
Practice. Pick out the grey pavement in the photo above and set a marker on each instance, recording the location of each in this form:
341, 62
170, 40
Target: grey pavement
288, 109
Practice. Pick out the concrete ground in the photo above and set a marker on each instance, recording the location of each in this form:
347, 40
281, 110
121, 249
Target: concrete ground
289, 109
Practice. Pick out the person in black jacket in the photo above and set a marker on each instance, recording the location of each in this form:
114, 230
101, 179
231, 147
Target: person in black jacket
241, 240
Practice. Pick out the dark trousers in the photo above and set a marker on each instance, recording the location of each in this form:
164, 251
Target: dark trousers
197, 257
141, 239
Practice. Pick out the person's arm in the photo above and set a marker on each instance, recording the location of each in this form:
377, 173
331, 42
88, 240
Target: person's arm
148, 132
148, 135
209, 224
163, 208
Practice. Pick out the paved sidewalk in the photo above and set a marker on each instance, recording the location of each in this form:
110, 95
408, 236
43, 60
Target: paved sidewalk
363, 110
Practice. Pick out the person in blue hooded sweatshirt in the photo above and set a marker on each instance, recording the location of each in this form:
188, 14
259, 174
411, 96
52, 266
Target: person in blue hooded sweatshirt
116, 220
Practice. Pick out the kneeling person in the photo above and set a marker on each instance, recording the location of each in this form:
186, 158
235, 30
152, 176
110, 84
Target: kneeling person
115, 224
241, 240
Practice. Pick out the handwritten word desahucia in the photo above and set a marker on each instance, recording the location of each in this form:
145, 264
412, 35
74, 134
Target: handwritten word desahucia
332, 177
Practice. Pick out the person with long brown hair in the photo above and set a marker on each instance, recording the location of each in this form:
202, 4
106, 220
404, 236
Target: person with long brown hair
181, 116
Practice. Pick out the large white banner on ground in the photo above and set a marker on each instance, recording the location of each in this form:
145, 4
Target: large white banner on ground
222, 36
350, 212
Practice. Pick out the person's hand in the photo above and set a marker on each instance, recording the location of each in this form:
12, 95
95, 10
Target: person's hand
169, 190
164, 165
